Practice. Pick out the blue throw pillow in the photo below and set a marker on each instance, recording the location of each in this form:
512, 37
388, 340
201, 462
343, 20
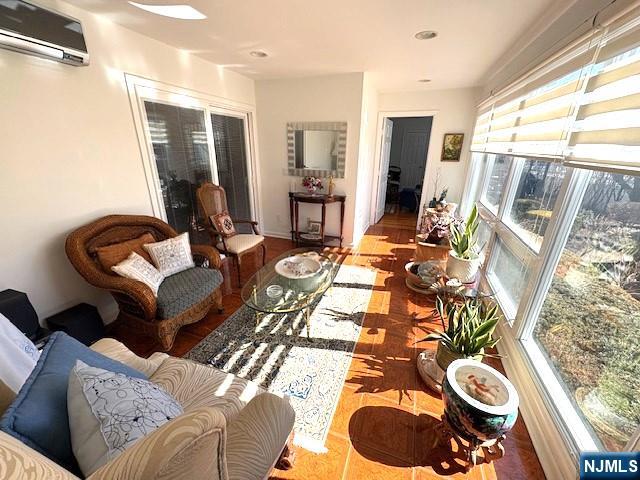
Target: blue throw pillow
38, 416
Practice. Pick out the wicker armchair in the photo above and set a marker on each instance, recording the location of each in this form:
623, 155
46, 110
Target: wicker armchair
136, 301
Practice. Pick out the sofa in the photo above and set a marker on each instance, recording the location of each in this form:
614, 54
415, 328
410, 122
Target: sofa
231, 428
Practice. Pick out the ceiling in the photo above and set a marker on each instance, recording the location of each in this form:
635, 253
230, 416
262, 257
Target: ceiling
306, 38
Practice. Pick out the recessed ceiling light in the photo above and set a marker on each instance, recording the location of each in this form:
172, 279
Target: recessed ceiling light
258, 54
182, 12
426, 35
424, 80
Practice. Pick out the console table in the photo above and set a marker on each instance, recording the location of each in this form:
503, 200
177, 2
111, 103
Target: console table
295, 198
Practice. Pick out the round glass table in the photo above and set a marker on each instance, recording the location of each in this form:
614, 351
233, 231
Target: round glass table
267, 291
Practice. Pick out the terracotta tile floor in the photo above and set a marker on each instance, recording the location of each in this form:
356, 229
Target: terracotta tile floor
386, 418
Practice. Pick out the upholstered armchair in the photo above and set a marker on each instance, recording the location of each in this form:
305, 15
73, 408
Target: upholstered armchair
212, 200
183, 298
231, 429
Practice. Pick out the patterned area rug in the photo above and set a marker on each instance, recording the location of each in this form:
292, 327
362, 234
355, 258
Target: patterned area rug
277, 355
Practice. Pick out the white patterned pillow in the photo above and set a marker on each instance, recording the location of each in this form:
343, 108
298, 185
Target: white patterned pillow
18, 355
109, 412
172, 255
137, 268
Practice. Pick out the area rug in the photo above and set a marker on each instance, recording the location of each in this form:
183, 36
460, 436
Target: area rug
277, 355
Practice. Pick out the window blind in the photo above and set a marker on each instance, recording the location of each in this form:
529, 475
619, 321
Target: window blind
481, 130
533, 118
582, 108
607, 127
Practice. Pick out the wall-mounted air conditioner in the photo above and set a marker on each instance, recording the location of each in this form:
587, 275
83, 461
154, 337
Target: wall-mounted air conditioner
28, 28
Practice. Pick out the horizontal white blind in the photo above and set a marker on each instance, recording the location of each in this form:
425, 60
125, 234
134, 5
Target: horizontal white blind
534, 119
606, 132
481, 130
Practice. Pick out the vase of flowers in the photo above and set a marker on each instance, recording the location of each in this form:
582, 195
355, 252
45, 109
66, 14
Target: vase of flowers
312, 184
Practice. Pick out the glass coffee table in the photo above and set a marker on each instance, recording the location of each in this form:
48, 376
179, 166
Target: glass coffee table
268, 291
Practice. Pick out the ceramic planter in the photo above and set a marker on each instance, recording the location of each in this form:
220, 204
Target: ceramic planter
478, 400
462, 269
444, 356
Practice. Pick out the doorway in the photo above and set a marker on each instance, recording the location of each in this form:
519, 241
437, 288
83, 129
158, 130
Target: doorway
403, 160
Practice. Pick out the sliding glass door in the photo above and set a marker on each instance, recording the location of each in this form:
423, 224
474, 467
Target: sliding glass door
193, 145
179, 139
231, 160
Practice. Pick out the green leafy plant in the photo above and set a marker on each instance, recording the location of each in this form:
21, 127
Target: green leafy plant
463, 237
469, 326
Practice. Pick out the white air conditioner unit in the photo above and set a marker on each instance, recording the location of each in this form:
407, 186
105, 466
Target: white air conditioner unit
28, 28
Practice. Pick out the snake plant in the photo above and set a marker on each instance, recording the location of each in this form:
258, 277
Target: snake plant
469, 328
462, 238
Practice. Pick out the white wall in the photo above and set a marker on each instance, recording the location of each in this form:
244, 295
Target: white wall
336, 98
70, 152
454, 112
365, 196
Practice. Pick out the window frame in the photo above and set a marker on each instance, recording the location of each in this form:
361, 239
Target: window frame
141, 90
525, 363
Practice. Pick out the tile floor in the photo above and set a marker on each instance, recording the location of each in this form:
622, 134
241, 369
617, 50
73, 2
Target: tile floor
386, 417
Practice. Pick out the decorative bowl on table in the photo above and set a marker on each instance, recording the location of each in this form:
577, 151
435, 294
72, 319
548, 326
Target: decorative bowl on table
479, 401
301, 269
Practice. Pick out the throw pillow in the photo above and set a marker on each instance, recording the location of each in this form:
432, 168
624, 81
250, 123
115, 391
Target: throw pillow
172, 255
137, 268
114, 254
109, 412
38, 416
224, 224
18, 355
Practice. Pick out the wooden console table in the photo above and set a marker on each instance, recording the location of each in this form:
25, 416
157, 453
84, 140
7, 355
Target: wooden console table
319, 198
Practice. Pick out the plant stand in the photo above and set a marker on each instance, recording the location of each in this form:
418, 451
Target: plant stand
491, 450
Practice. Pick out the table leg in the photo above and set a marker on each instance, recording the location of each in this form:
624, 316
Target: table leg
307, 318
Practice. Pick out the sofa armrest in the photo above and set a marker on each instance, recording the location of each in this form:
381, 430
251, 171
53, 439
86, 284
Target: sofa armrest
208, 253
17, 462
257, 436
190, 447
117, 351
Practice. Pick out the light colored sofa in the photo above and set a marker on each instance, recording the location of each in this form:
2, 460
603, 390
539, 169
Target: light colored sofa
231, 429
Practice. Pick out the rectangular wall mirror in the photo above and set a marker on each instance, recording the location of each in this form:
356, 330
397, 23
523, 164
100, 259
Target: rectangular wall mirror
317, 148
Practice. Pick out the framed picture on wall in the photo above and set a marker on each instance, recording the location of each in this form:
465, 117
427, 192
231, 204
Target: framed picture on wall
452, 147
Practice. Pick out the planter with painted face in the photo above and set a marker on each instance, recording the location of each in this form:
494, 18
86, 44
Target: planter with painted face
478, 400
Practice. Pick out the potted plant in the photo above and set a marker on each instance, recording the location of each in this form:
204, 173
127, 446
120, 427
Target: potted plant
468, 330
441, 204
464, 260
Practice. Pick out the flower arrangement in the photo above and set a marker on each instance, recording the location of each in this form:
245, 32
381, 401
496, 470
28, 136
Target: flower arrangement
435, 229
312, 184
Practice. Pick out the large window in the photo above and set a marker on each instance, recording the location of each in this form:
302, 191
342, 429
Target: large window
531, 209
556, 177
498, 171
508, 275
589, 326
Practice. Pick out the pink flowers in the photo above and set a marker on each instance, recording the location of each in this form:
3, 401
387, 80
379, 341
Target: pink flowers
312, 183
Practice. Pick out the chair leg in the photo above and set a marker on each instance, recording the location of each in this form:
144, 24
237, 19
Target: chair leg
238, 269
264, 254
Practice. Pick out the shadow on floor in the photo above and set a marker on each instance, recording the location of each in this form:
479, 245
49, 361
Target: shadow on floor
395, 437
